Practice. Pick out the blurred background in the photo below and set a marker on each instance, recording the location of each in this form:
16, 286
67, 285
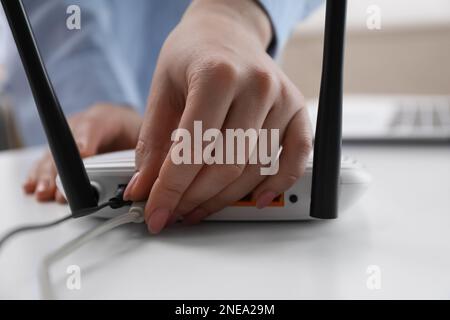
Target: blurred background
408, 54
397, 69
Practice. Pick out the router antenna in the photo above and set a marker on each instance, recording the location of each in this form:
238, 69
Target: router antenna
79, 192
327, 145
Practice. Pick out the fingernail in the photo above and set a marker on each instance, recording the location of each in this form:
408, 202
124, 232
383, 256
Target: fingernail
129, 189
265, 199
158, 220
42, 186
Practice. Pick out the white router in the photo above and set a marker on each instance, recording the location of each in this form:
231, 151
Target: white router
108, 171
330, 183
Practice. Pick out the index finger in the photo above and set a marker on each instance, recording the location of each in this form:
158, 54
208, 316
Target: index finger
208, 101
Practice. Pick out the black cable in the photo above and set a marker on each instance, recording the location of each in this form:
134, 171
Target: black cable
115, 203
77, 214
88, 211
35, 227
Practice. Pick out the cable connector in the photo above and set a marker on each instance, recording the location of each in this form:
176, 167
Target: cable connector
115, 202
136, 212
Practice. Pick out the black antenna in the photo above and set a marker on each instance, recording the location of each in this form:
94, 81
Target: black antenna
78, 189
327, 145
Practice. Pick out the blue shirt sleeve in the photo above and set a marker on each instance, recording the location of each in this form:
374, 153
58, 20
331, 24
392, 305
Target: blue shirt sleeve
284, 16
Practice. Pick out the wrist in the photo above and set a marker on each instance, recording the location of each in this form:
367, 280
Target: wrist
246, 16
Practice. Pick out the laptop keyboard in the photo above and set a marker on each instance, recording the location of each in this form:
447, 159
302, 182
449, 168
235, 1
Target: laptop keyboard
418, 116
386, 118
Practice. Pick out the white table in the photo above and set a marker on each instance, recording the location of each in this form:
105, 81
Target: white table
401, 225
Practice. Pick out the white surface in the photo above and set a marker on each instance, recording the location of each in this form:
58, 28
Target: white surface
402, 225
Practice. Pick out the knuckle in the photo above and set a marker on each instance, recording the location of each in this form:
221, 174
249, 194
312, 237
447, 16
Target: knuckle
44, 165
292, 177
232, 171
293, 174
264, 81
290, 95
305, 144
224, 174
220, 68
140, 150
188, 203
304, 147
146, 149
85, 127
171, 187
33, 172
88, 121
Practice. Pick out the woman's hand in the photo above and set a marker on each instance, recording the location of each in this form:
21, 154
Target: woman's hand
214, 68
102, 128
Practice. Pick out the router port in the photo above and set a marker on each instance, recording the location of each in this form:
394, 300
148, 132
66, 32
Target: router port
248, 202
